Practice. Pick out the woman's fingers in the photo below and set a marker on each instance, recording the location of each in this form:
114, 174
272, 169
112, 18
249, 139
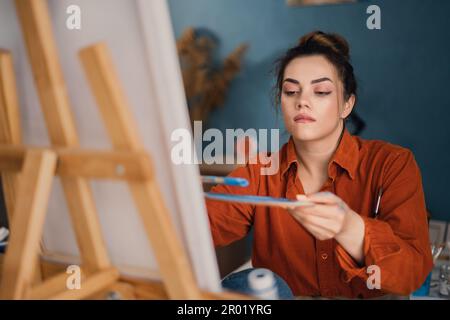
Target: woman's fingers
322, 197
330, 211
325, 198
326, 218
319, 233
322, 223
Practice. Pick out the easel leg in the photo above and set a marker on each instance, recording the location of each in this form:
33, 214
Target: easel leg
173, 262
9, 123
27, 224
36, 26
11, 133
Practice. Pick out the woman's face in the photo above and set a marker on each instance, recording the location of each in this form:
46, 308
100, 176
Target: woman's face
311, 87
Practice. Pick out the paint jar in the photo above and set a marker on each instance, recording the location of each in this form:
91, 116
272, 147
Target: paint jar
262, 284
424, 290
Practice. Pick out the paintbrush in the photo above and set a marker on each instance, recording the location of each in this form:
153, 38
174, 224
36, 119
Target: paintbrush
258, 200
229, 181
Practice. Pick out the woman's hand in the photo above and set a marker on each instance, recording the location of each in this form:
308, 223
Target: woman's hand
330, 217
326, 219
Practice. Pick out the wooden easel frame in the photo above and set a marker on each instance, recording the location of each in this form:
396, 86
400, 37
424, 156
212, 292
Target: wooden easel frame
37, 166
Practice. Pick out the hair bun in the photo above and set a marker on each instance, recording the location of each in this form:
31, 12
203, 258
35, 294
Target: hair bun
331, 41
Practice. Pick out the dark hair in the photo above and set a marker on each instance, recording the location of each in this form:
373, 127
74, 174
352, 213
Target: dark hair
330, 45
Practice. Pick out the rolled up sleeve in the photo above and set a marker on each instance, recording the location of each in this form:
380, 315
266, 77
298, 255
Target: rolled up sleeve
398, 241
230, 222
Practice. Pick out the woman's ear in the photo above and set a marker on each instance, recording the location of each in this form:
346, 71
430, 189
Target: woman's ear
348, 106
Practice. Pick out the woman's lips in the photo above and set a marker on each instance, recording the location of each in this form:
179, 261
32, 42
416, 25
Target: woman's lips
303, 118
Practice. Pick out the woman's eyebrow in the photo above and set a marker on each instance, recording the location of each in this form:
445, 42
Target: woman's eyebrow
291, 80
320, 80
312, 81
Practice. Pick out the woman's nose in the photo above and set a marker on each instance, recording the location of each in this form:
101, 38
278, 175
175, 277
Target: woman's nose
302, 101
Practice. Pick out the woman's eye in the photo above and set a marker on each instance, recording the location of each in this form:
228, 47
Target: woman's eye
289, 93
323, 93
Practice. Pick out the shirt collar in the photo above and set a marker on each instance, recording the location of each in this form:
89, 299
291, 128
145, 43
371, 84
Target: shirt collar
346, 156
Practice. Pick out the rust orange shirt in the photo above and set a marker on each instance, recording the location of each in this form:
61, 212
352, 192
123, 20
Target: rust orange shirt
397, 241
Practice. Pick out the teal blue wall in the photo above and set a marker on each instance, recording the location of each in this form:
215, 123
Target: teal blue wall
403, 69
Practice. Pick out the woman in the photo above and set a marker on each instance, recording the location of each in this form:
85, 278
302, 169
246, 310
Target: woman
335, 247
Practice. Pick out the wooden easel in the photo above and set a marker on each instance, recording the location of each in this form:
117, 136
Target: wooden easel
37, 166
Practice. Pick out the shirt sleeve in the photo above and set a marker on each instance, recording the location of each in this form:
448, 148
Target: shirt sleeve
398, 241
230, 221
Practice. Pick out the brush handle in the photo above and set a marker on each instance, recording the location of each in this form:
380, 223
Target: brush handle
258, 200
229, 181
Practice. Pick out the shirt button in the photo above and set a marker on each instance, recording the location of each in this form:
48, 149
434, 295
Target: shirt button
324, 256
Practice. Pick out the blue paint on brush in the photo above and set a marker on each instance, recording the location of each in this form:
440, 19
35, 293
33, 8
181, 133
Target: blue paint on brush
238, 182
229, 181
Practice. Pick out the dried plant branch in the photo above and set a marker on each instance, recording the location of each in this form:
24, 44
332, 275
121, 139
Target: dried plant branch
205, 85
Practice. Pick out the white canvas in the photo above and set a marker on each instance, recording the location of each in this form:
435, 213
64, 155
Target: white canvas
140, 38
